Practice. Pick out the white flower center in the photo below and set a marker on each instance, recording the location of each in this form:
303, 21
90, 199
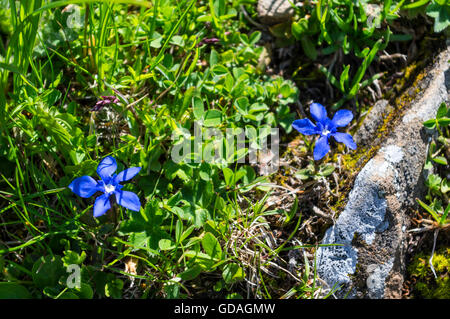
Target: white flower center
325, 132
110, 188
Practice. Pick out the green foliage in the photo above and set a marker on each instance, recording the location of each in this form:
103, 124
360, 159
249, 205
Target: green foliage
426, 286
437, 159
11, 290
353, 27
60, 59
439, 10
357, 29
315, 171
172, 65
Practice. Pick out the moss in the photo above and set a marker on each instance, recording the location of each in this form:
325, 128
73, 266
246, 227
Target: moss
426, 285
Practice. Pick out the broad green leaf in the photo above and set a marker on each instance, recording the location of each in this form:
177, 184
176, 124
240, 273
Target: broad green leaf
12, 290
228, 175
232, 273
72, 257
212, 118
166, 244
308, 47
47, 270
445, 186
198, 107
242, 105
212, 246
213, 58
444, 121
190, 273
299, 28
441, 15
442, 111
84, 292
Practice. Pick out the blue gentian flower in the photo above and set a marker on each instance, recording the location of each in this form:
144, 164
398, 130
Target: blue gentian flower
325, 128
86, 186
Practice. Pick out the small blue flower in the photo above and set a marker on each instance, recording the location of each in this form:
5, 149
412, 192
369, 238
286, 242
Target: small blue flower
325, 128
86, 186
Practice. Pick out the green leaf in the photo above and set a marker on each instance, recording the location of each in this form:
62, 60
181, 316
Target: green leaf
68, 295
84, 292
166, 244
440, 160
258, 107
431, 124
299, 28
213, 58
186, 233
178, 230
198, 107
441, 15
190, 273
326, 170
242, 105
308, 47
329, 76
219, 70
369, 56
444, 216
228, 175
212, 246
444, 121
114, 288
429, 210
415, 4
202, 259
11, 290
72, 257
343, 80
47, 270
212, 118
445, 186
442, 111
254, 37
232, 273
433, 182
303, 174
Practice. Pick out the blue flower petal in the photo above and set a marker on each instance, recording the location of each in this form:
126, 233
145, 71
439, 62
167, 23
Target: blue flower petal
84, 186
126, 175
342, 118
318, 112
101, 205
128, 200
321, 148
305, 126
106, 168
346, 139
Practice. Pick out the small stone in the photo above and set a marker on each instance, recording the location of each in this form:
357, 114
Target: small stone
274, 11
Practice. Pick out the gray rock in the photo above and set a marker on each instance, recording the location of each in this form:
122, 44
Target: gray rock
372, 122
274, 11
371, 229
